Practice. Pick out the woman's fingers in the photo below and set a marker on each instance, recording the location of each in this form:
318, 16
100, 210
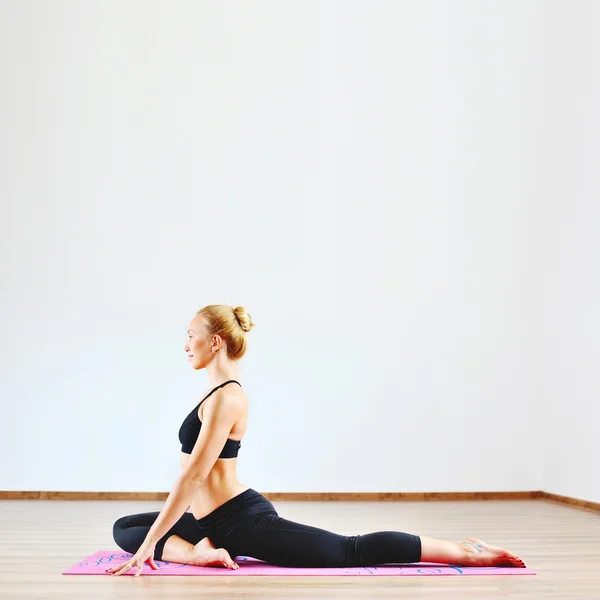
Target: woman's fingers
119, 569
124, 568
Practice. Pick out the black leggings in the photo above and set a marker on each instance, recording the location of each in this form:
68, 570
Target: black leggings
248, 525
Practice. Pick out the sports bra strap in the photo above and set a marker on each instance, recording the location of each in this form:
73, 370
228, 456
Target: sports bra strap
219, 386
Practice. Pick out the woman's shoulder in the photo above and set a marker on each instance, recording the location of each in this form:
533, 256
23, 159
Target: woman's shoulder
233, 394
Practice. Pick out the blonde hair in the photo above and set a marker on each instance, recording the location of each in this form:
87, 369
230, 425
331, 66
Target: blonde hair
232, 324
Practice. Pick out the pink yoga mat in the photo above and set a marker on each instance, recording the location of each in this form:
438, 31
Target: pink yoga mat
97, 563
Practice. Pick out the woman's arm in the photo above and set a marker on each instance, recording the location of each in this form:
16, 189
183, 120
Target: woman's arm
220, 416
177, 503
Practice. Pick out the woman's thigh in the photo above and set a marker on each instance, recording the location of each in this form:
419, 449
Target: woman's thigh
285, 543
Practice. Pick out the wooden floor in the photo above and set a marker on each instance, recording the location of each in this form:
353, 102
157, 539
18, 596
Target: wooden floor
40, 539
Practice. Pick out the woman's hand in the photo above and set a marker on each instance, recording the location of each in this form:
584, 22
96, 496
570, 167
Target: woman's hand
144, 555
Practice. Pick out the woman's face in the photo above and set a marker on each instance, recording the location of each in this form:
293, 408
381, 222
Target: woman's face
198, 346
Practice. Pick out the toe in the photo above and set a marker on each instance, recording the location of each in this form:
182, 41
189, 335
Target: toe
226, 559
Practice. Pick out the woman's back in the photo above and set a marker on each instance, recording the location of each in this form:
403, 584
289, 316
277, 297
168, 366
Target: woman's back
221, 484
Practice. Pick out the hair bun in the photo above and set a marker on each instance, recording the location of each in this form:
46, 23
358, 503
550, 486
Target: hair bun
243, 318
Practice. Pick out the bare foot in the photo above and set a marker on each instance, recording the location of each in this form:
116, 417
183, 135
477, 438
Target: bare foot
205, 554
484, 555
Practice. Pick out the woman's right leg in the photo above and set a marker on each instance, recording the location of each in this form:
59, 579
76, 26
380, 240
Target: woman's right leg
282, 542
285, 543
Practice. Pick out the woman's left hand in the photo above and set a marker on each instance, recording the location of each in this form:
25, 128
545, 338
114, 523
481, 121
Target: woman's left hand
144, 555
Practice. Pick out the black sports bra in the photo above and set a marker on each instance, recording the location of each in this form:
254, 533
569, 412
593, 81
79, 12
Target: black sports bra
190, 430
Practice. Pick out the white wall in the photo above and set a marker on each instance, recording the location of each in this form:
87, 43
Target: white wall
357, 174
567, 213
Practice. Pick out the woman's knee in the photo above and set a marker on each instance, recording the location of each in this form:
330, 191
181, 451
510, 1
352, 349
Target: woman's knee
120, 524
119, 527
126, 537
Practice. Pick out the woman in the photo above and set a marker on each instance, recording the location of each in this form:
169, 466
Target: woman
228, 518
